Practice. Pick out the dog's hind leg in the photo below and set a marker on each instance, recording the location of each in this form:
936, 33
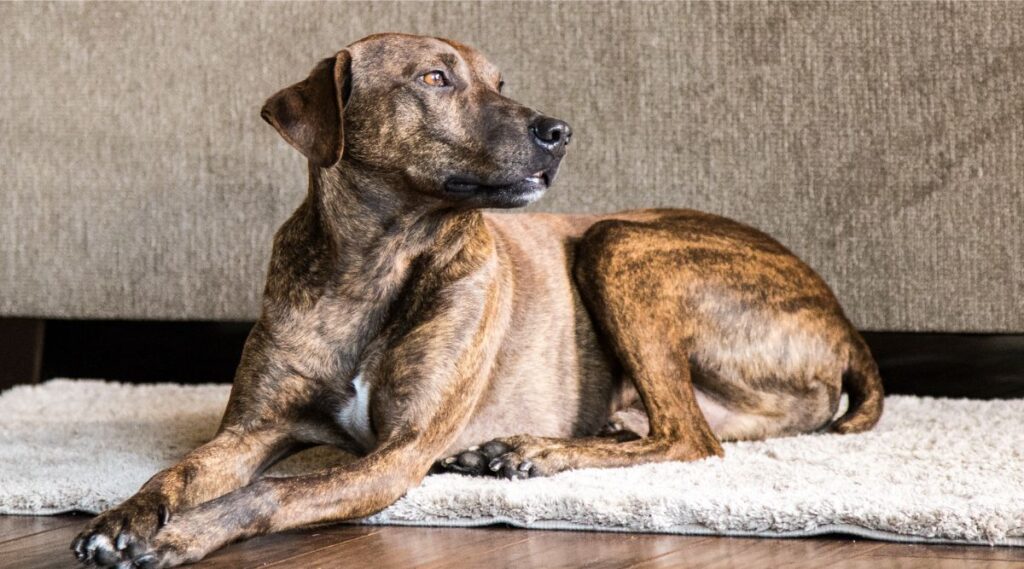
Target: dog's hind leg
678, 430
628, 290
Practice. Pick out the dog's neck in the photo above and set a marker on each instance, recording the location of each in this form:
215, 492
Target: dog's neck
359, 233
358, 209
364, 213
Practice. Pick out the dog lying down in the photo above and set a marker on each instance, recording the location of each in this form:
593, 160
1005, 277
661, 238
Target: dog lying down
403, 323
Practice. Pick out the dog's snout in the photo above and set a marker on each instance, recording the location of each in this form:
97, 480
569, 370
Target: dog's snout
551, 134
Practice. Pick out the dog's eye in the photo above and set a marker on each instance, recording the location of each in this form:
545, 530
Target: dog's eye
501, 85
435, 79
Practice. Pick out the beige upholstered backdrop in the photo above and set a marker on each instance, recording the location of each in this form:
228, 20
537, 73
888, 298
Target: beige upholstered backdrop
881, 141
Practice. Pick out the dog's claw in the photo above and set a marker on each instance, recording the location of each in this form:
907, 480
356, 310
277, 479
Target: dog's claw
78, 546
147, 561
122, 541
163, 514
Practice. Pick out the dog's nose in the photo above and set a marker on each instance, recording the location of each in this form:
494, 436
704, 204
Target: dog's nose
551, 134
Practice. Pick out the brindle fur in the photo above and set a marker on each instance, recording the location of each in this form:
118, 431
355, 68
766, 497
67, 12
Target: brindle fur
533, 331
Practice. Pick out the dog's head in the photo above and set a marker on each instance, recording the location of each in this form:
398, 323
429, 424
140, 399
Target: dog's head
427, 110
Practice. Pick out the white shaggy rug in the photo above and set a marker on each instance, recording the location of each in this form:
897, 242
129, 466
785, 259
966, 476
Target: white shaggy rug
934, 470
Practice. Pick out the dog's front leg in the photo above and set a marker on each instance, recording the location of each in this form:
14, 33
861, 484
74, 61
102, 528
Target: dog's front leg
248, 441
209, 471
354, 490
276, 504
426, 386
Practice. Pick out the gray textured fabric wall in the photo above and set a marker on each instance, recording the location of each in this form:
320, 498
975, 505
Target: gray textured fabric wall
880, 141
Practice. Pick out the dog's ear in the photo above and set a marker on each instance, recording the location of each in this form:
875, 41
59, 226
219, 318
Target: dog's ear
309, 113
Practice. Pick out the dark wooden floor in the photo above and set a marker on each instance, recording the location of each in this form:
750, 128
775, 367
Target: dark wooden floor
41, 542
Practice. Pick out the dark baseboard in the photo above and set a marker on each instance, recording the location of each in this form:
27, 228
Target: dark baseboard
144, 351
949, 365
21, 350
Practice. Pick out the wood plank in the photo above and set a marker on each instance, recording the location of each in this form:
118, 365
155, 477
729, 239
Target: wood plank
596, 550
979, 552
919, 563
486, 552
398, 546
46, 550
278, 548
15, 527
464, 547
776, 553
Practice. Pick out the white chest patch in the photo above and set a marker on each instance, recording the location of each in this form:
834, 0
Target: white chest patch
354, 416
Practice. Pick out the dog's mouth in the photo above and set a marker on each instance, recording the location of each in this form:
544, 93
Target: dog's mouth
465, 186
517, 192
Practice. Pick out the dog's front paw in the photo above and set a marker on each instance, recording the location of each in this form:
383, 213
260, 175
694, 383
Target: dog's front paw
194, 533
114, 537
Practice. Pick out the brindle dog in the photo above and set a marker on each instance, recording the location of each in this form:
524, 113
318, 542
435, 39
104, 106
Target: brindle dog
402, 323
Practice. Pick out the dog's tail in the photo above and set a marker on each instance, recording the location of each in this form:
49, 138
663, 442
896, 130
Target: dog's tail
863, 386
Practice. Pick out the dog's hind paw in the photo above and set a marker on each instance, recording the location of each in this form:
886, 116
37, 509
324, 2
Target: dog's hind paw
474, 461
514, 458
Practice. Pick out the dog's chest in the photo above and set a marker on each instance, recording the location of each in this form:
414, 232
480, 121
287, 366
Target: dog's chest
354, 415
